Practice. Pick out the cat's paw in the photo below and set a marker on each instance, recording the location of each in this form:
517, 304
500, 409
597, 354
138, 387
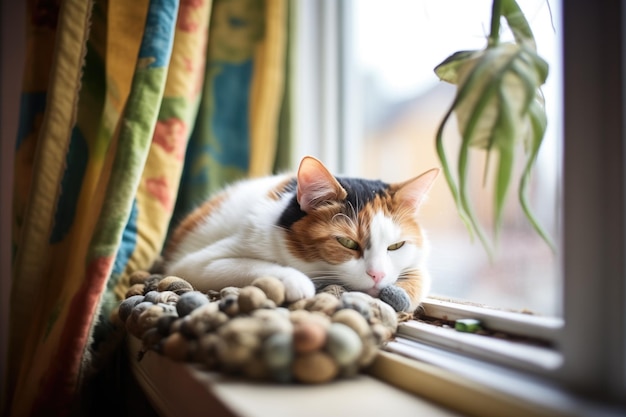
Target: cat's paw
297, 286
396, 297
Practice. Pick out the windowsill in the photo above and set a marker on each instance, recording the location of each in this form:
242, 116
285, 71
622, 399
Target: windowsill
477, 387
506, 352
519, 323
177, 389
521, 341
407, 379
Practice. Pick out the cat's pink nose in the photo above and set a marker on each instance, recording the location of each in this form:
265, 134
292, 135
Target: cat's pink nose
377, 276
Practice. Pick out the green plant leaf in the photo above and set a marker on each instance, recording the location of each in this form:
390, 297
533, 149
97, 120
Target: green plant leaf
538, 122
498, 104
517, 22
465, 204
448, 70
448, 173
505, 130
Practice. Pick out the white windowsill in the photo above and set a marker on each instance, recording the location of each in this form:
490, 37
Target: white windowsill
502, 351
529, 325
527, 341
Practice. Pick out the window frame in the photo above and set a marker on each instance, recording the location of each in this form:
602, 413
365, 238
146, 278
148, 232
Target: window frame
594, 226
594, 219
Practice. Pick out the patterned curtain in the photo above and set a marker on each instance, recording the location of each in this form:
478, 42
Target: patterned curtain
132, 112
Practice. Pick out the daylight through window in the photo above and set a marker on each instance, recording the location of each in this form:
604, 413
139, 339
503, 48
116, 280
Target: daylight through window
398, 106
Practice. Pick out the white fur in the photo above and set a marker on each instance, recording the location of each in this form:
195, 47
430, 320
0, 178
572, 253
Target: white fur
239, 242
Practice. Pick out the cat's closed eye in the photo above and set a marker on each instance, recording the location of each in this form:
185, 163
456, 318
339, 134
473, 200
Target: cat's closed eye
348, 243
395, 246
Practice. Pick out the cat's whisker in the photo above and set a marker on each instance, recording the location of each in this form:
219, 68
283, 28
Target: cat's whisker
347, 218
322, 283
353, 210
408, 274
324, 274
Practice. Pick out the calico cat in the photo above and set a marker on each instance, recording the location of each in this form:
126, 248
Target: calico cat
309, 230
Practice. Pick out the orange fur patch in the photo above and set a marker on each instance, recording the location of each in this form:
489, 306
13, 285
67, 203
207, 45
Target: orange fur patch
192, 221
405, 217
277, 192
313, 237
411, 282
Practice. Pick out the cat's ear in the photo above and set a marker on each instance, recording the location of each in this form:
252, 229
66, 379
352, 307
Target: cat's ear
316, 185
414, 191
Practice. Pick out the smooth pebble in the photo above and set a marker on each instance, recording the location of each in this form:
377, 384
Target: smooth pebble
189, 301
344, 344
314, 368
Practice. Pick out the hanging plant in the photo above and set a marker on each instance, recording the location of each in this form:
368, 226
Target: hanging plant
498, 104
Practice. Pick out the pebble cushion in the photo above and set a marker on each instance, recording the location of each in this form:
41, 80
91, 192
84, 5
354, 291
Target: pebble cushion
252, 332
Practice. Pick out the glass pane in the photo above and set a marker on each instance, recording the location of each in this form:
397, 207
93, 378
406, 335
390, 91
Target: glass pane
400, 104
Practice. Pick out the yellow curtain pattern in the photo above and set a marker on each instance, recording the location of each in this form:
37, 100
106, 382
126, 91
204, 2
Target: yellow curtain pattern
132, 112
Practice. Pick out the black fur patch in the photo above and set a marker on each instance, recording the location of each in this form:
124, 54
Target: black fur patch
360, 192
291, 214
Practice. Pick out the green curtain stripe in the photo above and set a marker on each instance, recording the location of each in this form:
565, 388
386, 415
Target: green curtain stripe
136, 128
135, 136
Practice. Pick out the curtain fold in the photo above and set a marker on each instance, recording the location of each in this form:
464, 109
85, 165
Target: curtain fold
235, 134
39, 166
131, 113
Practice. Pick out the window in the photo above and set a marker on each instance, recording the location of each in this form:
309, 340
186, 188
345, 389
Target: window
579, 194
402, 103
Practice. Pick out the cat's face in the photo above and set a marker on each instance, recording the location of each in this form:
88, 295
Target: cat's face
363, 234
